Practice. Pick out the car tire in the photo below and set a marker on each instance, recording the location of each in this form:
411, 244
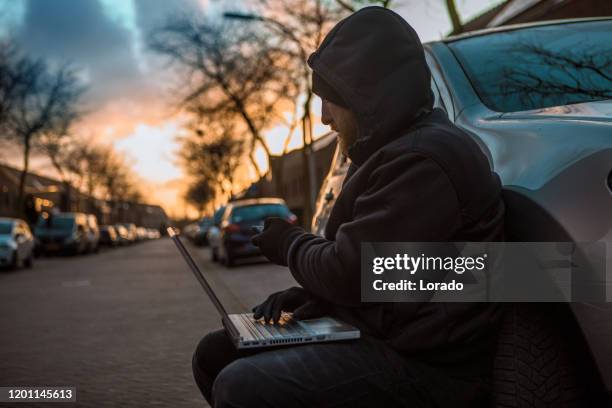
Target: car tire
542, 360
29, 261
228, 259
14, 264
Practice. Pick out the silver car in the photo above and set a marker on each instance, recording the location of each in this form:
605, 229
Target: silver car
537, 98
16, 243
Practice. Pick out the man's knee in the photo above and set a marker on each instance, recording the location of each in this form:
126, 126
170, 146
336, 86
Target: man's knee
240, 384
214, 351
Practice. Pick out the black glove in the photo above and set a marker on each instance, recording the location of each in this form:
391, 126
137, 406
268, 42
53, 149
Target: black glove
296, 300
276, 238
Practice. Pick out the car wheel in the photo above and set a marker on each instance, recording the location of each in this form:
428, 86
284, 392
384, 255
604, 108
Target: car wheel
29, 261
14, 264
542, 361
228, 259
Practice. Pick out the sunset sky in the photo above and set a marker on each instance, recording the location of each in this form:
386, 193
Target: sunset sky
127, 97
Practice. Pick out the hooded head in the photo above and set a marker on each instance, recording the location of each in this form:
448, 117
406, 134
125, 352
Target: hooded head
373, 64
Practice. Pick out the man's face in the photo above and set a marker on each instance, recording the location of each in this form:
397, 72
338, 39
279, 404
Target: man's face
341, 120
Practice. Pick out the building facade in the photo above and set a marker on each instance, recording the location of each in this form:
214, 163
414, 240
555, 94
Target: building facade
44, 193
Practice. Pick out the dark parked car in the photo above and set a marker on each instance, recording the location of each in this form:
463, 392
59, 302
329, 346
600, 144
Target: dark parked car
537, 98
234, 239
62, 232
200, 237
108, 236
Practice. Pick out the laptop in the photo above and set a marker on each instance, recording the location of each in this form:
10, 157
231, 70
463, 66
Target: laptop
247, 332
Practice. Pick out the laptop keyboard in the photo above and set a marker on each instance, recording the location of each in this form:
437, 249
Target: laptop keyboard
263, 331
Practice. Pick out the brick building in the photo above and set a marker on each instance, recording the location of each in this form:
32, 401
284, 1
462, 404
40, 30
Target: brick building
44, 193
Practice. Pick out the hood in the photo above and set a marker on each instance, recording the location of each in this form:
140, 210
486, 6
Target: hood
375, 61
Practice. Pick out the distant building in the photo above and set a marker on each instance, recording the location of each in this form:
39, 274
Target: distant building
524, 11
287, 171
44, 193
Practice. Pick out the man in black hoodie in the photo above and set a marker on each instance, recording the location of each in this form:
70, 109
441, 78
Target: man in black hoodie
414, 177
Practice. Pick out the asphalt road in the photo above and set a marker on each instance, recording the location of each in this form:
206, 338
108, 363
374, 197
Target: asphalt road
121, 325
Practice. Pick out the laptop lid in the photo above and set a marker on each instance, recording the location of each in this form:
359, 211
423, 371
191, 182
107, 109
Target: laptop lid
197, 272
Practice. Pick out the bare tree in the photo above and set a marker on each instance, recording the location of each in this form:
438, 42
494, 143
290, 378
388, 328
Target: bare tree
211, 156
99, 171
300, 26
230, 73
43, 100
540, 76
453, 14
199, 194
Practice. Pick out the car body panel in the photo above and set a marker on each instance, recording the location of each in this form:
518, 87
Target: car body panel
19, 242
572, 147
71, 239
235, 243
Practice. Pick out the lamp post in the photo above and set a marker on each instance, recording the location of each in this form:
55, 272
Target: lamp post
307, 153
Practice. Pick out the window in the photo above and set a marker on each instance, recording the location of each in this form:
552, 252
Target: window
56, 222
6, 227
259, 212
540, 67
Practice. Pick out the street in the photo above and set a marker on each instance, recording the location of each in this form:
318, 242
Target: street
120, 325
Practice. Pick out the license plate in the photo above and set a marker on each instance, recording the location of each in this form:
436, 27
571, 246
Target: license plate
52, 247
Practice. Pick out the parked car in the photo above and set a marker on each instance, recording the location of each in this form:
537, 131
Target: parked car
236, 226
109, 236
93, 234
62, 232
132, 231
123, 235
214, 233
141, 234
537, 98
200, 237
16, 243
191, 230
152, 233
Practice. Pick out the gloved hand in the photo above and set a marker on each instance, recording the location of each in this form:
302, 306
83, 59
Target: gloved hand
276, 238
296, 300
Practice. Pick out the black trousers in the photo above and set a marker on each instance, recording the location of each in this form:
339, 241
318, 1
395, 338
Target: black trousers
362, 373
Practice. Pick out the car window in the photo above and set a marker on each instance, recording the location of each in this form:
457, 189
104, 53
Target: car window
218, 216
6, 227
442, 98
258, 212
56, 222
539, 67
438, 103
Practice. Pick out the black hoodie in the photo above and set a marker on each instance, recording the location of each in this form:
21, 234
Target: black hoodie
415, 177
